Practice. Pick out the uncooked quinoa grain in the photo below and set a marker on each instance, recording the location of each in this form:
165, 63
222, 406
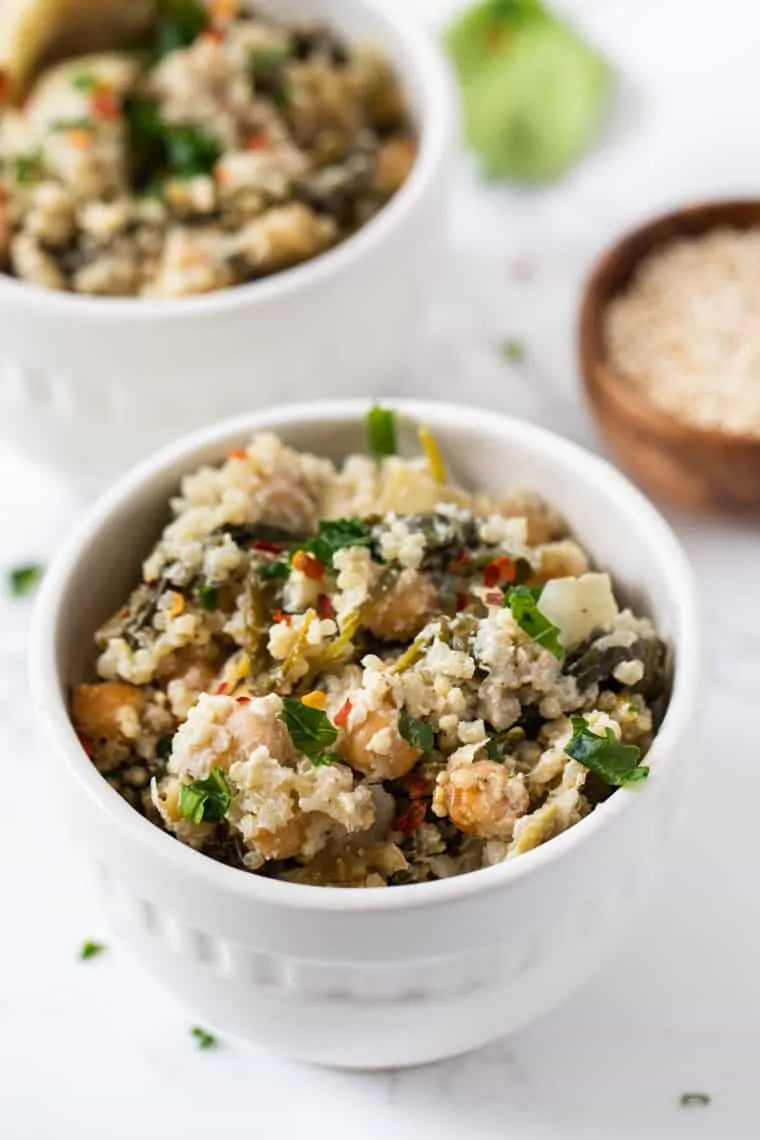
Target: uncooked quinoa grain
686, 330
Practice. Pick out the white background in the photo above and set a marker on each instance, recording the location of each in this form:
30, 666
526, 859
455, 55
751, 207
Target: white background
95, 1051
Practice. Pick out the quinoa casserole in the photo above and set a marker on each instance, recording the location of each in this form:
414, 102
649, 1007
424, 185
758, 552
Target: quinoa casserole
364, 675
218, 148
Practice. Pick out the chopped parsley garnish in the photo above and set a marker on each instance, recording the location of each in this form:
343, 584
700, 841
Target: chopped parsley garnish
381, 432
163, 748
523, 602
615, 763
322, 759
190, 151
83, 123
415, 732
335, 534
179, 23
26, 168
22, 580
332, 535
205, 801
205, 1039
278, 569
181, 149
311, 730
689, 1099
85, 82
144, 120
207, 596
91, 950
513, 350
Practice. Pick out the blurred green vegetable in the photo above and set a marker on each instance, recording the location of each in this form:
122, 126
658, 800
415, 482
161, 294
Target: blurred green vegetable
534, 93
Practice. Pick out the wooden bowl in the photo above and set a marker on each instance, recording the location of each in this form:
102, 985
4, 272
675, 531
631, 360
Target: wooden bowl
700, 469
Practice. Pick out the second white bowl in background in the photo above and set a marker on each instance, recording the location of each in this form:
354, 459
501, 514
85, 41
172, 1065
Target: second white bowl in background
87, 384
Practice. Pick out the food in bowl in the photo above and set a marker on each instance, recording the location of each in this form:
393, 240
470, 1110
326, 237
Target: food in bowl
363, 674
222, 148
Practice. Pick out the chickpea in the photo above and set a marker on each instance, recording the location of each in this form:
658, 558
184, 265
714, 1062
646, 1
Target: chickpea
482, 799
355, 746
401, 614
563, 559
286, 504
544, 524
198, 670
395, 160
95, 708
282, 844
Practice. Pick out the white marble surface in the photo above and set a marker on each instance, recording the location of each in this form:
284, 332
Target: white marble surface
96, 1051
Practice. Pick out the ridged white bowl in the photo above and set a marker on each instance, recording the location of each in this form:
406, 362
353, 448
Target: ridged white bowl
367, 978
88, 385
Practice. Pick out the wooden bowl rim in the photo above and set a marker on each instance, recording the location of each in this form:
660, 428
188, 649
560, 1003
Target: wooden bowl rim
598, 374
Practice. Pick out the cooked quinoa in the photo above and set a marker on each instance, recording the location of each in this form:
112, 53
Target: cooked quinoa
364, 675
224, 148
685, 330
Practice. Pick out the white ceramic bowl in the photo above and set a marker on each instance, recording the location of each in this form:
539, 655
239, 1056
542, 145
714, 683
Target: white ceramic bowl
88, 385
367, 978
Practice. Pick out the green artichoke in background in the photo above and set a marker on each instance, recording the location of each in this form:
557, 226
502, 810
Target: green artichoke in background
534, 93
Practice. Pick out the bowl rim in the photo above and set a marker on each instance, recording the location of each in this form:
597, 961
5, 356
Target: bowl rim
51, 705
437, 132
600, 376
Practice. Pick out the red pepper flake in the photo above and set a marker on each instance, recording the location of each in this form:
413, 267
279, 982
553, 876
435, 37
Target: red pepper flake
86, 743
461, 600
259, 140
243, 700
278, 615
220, 690
308, 565
412, 818
500, 570
494, 598
416, 786
342, 714
104, 103
124, 612
266, 547
325, 608
215, 35
237, 453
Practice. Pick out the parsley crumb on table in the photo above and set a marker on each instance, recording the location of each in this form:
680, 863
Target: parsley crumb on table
91, 950
205, 1039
